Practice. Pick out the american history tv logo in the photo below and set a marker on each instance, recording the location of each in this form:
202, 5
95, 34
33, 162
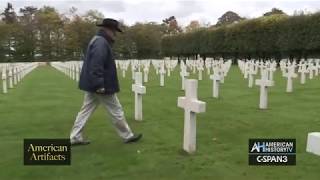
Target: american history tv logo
272, 152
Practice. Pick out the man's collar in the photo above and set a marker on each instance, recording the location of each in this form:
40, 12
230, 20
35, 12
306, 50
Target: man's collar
102, 33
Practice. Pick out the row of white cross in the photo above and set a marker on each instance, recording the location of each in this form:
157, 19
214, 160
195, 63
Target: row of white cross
165, 67
70, 68
160, 67
312, 68
288, 69
250, 68
13, 73
219, 68
190, 103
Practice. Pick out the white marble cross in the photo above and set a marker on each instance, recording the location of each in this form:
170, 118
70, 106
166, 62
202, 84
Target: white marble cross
256, 69
145, 74
10, 74
215, 85
77, 72
133, 69
4, 80
216, 79
138, 90
191, 106
15, 75
183, 75
221, 71
310, 69
264, 83
200, 68
227, 66
283, 65
208, 64
162, 75
139, 65
124, 64
272, 68
246, 69
70, 70
252, 71
19, 74
73, 69
193, 66
313, 143
123, 73
200, 73
261, 67
317, 67
241, 65
168, 66
303, 70
290, 75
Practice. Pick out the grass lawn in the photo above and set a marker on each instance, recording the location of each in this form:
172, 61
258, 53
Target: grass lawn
45, 103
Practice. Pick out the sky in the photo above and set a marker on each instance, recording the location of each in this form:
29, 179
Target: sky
205, 11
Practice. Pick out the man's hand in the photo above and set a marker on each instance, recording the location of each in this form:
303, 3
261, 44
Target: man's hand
100, 91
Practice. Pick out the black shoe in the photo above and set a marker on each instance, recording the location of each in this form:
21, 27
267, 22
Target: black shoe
134, 138
83, 142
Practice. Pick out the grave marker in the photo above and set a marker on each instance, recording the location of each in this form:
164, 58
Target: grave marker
264, 83
4, 80
191, 106
138, 90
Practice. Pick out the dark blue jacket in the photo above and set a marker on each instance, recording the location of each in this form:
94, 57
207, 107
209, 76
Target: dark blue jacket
99, 68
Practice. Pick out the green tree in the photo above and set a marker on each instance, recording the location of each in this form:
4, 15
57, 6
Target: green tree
4, 33
50, 33
194, 25
172, 25
9, 15
125, 47
147, 38
78, 31
27, 33
274, 11
228, 18
10, 19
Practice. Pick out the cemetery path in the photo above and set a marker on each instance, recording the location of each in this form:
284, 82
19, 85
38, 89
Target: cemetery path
37, 97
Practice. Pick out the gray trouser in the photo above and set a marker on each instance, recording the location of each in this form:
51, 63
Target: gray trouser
112, 105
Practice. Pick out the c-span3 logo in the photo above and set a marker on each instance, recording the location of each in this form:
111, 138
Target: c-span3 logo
272, 152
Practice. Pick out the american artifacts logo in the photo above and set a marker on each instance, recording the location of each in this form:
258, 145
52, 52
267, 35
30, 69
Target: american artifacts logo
47, 152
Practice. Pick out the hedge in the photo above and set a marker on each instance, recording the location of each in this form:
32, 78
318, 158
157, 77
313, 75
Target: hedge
277, 36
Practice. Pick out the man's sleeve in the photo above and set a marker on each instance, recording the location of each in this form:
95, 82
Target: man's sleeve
98, 56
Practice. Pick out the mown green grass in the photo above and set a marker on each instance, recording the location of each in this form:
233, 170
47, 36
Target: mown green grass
45, 103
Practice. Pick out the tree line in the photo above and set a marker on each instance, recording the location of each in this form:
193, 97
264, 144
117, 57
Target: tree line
274, 35
44, 34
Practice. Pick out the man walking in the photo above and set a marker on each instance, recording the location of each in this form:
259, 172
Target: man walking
100, 82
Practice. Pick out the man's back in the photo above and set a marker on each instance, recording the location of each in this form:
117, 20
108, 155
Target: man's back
99, 69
